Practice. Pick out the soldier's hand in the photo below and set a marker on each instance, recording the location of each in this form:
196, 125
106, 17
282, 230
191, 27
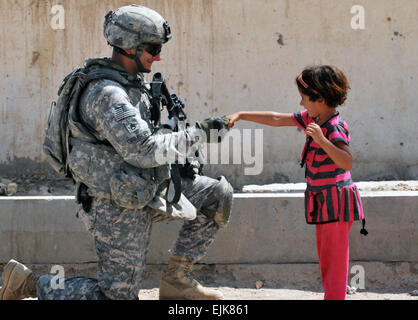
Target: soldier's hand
214, 123
191, 169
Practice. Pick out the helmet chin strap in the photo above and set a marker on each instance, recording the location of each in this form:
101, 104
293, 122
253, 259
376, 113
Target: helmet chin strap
135, 57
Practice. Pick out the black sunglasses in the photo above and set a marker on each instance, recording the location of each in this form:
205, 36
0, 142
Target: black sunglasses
153, 49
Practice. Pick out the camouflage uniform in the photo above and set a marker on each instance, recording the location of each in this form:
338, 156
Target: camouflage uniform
121, 116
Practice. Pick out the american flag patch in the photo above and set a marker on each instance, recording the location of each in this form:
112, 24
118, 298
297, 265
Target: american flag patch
122, 112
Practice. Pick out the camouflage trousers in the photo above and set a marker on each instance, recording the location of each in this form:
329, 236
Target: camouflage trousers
121, 238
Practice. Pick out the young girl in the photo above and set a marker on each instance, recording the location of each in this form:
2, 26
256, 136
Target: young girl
332, 201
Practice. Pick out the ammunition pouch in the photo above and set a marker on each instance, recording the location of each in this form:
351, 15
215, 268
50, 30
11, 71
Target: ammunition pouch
131, 190
106, 175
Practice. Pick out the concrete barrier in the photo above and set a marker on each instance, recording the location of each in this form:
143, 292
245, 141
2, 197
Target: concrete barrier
264, 229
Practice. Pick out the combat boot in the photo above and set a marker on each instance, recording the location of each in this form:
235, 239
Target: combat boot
19, 282
178, 284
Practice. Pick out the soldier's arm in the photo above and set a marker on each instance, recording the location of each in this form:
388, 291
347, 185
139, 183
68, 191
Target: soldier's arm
109, 111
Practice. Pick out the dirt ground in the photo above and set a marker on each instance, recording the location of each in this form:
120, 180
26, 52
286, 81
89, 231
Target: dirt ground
286, 294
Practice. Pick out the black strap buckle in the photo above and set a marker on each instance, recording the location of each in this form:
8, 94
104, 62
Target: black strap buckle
83, 198
174, 187
167, 31
363, 230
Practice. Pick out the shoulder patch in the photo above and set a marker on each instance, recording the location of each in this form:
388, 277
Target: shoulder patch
132, 126
121, 112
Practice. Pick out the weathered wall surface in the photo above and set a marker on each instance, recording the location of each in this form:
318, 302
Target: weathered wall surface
228, 56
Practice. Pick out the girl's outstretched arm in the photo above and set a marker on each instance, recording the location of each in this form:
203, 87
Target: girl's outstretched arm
269, 118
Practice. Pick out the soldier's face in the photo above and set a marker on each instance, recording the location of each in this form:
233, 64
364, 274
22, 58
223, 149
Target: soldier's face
147, 59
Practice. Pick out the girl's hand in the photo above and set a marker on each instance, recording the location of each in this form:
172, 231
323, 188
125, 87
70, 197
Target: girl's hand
314, 131
232, 119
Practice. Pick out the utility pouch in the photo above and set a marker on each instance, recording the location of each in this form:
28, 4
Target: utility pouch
131, 188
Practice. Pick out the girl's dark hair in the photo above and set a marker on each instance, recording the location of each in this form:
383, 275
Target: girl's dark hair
326, 82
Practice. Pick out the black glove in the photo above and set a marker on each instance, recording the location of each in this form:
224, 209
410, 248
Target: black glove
190, 169
214, 123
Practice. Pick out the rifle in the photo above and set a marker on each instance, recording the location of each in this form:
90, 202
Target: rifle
177, 117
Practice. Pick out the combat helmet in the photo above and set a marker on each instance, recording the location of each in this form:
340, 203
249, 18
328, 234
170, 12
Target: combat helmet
134, 26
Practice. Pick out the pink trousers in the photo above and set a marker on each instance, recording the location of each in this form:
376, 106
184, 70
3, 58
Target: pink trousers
332, 241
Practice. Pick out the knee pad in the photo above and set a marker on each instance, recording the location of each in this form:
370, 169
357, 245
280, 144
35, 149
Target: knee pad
225, 193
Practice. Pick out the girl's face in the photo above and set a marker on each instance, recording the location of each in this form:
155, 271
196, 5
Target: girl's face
314, 108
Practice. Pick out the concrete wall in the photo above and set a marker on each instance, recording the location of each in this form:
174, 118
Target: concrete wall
228, 56
264, 229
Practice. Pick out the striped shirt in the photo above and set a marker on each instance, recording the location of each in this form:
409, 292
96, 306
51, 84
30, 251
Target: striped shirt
331, 194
